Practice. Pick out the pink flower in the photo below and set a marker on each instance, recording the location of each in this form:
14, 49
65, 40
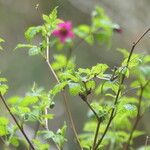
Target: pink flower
64, 31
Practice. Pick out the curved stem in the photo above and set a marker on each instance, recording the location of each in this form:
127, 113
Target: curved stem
97, 117
63, 95
14, 118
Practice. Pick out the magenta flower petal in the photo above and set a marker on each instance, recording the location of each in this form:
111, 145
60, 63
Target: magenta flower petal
71, 35
64, 31
56, 33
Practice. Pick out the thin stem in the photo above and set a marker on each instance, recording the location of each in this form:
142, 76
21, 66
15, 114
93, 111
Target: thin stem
46, 120
96, 133
36, 130
138, 116
14, 118
136, 43
97, 117
119, 89
3, 141
47, 60
146, 142
64, 97
111, 117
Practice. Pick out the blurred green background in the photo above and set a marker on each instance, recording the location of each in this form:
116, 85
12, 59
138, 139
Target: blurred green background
21, 70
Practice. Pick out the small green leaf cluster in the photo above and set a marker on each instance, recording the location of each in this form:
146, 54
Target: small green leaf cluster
100, 30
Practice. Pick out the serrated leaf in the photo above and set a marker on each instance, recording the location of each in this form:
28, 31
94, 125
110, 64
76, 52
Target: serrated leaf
59, 87
84, 32
14, 141
3, 126
74, 88
32, 31
24, 46
40, 146
99, 70
28, 100
3, 86
34, 51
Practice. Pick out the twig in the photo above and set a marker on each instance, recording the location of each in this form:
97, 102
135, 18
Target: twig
22, 131
96, 133
119, 89
97, 117
146, 142
64, 97
47, 59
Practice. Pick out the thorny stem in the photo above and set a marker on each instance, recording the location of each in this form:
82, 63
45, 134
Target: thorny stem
119, 89
14, 118
138, 116
64, 97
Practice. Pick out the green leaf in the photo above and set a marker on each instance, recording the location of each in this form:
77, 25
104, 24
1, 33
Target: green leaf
86, 140
40, 146
1, 40
124, 52
13, 100
46, 18
58, 138
3, 121
32, 31
28, 100
106, 86
90, 126
145, 70
14, 141
51, 21
146, 59
98, 70
34, 51
53, 15
46, 134
102, 25
60, 62
90, 85
84, 32
48, 116
102, 112
24, 46
3, 86
135, 60
3, 126
59, 87
74, 88
138, 133
129, 107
